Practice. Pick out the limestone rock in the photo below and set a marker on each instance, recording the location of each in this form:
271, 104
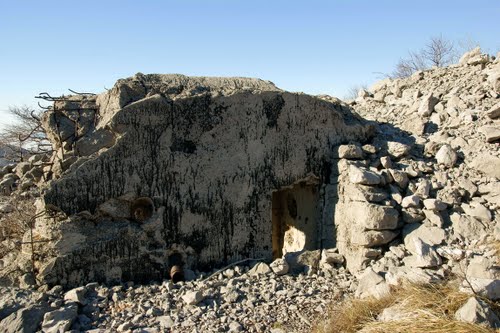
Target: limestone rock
332, 257
429, 234
494, 112
446, 155
487, 164
477, 211
260, 268
489, 288
411, 201
483, 268
25, 320
76, 295
193, 297
397, 149
371, 284
350, 152
427, 104
363, 176
478, 312
467, 226
300, 262
374, 217
59, 320
423, 255
434, 217
434, 204
373, 238
468, 56
400, 178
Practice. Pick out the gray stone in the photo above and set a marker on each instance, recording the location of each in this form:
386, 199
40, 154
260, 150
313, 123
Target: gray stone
260, 268
427, 104
411, 201
477, 211
489, 288
434, 204
332, 257
303, 260
397, 149
374, 217
371, 284
429, 234
193, 297
446, 155
434, 217
373, 238
467, 226
478, 312
487, 164
76, 295
165, 321
6, 208
363, 176
59, 320
25, 320
494, 112
424, 256
350, 151
386, 162
400, 178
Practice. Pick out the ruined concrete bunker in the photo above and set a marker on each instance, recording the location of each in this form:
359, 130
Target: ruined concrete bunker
234, 168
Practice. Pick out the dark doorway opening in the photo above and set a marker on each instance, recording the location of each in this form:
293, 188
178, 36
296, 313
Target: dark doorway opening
295, 218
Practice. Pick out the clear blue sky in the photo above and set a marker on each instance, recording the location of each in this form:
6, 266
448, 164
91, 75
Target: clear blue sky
310, 46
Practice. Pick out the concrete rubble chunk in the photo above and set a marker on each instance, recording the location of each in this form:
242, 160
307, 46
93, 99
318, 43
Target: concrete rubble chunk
280, 266
178, 140
491, 133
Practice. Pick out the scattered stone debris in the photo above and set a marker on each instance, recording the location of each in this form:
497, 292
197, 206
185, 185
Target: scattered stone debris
402, 183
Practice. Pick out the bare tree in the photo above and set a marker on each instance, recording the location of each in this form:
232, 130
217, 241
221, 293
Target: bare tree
437, 52
26, 134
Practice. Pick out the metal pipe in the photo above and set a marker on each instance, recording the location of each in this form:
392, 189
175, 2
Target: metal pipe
176, 274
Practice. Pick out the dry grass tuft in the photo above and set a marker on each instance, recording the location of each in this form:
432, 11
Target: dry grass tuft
424, 308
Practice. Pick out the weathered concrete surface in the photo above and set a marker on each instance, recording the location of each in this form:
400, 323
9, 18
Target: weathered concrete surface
208, 151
